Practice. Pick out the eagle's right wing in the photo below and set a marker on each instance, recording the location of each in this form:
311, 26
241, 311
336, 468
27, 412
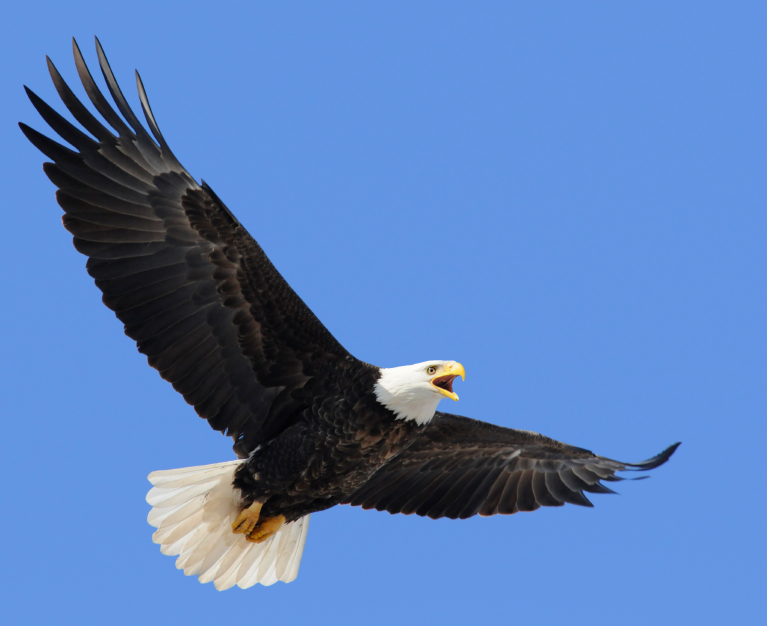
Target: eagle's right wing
192, 287
459, 467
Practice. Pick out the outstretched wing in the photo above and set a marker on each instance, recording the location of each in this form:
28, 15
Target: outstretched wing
193, 288
460, 467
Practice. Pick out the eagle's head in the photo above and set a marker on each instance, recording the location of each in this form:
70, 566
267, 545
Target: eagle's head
412, 392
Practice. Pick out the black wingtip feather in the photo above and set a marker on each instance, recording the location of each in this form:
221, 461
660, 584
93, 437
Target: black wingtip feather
656, 461
65, 130
76, 108
153, 126
117, 94
599, 488
148, 111
52, 149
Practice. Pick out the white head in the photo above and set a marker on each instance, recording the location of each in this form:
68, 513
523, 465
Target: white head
413, 391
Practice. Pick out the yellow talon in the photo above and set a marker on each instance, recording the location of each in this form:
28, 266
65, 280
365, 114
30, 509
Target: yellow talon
246, 521
266, 529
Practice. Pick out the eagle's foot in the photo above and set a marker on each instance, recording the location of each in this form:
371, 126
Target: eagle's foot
246, 521
266, 529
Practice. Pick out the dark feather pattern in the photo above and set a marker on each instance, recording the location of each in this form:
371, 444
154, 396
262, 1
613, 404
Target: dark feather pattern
459, 467
192, 287
210, 312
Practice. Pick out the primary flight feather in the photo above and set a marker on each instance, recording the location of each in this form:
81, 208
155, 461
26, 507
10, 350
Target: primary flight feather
312, 425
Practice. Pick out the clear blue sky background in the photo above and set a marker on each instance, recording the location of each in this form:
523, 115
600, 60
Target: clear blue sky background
567, 197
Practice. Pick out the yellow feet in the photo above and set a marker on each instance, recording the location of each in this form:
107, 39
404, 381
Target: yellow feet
247, 520
265, 529
255, 529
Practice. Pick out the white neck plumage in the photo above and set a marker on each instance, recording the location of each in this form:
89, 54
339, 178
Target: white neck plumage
409, 392
407, 405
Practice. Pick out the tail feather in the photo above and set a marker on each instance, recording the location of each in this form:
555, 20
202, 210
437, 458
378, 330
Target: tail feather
193, 509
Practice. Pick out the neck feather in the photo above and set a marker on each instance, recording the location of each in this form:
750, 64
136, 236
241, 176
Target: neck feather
407, 402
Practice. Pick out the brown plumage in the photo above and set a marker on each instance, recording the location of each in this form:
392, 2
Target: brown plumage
459, 467
314, 425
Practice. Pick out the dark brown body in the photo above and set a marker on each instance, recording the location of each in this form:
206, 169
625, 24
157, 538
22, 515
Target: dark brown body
217, 320
325, 456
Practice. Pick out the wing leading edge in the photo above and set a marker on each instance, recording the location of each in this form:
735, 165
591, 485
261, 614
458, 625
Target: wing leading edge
460, 467
192, 287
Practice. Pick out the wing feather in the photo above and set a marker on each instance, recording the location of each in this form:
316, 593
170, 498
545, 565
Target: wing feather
507, 504
192, 287
459, 467
489, 503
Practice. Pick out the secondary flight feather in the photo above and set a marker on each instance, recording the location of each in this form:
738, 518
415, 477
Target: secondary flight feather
312, 425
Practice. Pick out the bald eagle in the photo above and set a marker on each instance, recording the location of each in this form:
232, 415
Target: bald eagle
312, 425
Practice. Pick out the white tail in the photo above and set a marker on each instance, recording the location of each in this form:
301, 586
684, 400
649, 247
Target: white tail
193, 510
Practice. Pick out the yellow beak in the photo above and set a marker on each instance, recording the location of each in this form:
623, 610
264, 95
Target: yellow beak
444, 381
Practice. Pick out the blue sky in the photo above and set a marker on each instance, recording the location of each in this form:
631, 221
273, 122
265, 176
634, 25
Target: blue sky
568, 198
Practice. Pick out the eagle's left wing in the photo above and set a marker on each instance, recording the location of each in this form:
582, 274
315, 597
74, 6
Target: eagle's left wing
460, 467
195, 291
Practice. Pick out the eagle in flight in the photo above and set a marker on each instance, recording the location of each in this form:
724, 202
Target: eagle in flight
312, 425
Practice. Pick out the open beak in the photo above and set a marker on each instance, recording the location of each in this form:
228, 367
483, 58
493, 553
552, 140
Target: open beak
444, 382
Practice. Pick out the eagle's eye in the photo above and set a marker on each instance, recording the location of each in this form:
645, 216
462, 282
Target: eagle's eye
431, 370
